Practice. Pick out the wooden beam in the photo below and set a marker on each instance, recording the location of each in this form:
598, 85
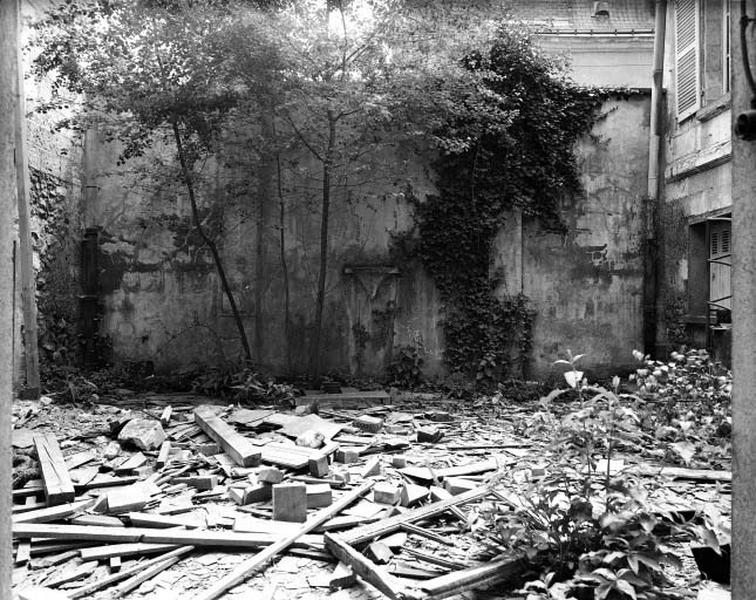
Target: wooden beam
147, 574
386, 526
53, 513
474, 577
239, 448
101, 552
87, 590
156, 536
374, 575
257, 562
57, 481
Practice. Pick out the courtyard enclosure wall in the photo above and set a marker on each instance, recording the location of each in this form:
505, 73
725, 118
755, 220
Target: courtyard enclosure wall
162, 301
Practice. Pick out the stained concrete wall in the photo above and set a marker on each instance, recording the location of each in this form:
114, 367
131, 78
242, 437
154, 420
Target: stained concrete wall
163, 301
586, 285
162, 297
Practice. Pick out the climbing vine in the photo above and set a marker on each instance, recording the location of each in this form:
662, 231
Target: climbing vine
526, 163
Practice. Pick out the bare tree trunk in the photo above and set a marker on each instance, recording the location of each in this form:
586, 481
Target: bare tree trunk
210, 243
264, 195
284, 264
325, 209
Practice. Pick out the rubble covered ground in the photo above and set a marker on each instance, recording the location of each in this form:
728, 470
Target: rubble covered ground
589, 491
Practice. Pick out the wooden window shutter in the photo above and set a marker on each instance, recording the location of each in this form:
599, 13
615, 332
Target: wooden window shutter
687, 60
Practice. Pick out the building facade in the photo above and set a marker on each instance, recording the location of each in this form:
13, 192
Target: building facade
693, 232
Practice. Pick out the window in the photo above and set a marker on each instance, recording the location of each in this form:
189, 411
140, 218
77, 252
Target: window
687, 59
702, 54
709, 269
720, 261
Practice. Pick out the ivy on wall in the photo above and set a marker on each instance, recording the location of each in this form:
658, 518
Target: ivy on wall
55, 242
529, 164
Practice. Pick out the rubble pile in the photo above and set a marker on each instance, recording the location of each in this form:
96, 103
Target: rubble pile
377, 492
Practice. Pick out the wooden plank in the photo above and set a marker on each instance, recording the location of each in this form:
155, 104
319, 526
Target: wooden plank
425, 474
248, 567
102, 520
23, 552
53, 513
139, 519
239, 448
101, 552
58, 485
80, 458
376, 576
162, 458
426, 533
139, 578
115, 564
702, 475
155, 536
386, 526
165, 416
88, 589
460, 581
131, 463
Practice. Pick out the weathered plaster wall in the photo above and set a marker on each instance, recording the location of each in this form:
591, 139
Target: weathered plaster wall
54, 194
163, 301
162, 297
586, 285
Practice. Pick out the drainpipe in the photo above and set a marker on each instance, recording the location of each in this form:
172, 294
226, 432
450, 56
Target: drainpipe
651, 246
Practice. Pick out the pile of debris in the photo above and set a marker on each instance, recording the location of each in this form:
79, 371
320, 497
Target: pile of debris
363, 486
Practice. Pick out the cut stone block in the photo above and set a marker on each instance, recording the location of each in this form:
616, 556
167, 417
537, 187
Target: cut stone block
413, 494
145, 434
386, 493
290, 502
379, 553
459, 485
342, 577
373, 467
346, 456
269, 475
429, 435
368, 423
319, 466
399, 461
200, 482
254, 492
319, 495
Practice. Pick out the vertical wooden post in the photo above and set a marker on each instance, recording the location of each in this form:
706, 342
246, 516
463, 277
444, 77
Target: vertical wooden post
743, 326
26, 265
8, 65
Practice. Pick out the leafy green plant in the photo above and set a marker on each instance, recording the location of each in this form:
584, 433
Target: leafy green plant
595, 533
691, 396
405, 368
